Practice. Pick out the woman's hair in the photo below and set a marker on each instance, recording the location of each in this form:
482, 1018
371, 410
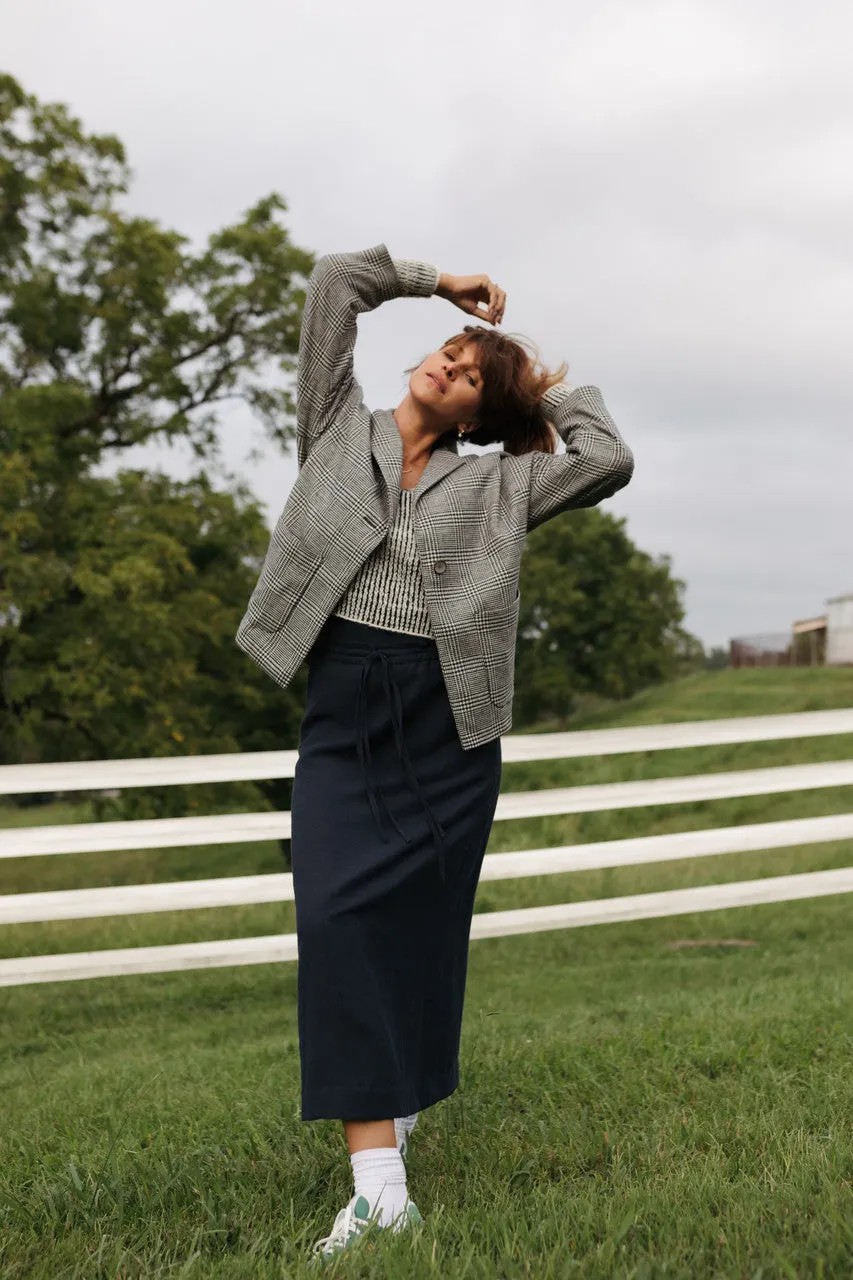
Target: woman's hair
514, 381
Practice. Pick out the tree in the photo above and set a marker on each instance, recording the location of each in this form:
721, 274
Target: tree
141, 582
597, 616
120, 598
134, 334
716, 659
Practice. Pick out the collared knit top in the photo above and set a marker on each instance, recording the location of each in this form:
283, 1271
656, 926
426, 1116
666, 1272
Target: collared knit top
388, 590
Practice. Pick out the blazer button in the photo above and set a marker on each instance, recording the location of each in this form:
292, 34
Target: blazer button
440, 566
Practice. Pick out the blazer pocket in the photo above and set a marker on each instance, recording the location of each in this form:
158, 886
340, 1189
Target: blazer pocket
500, 621
499, 631
285, 578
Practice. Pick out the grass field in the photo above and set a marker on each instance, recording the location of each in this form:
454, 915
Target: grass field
629, 1107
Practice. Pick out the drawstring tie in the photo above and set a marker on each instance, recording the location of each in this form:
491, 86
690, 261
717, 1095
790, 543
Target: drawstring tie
395, 708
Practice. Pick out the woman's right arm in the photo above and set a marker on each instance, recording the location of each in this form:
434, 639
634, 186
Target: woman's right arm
341, 287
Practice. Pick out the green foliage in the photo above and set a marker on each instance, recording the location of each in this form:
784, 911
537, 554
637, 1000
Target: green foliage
120, 598
716, 659
137, 335
597, 616
135, 586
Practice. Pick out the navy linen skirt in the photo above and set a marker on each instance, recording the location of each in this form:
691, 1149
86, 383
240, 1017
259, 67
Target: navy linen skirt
390, 822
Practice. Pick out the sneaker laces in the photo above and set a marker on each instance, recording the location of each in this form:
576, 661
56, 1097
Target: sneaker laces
348, 1225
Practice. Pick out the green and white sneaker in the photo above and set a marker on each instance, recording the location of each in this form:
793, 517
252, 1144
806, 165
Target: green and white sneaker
353, 1220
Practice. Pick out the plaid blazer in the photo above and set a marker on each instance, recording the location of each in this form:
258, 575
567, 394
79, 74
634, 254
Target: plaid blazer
471, 512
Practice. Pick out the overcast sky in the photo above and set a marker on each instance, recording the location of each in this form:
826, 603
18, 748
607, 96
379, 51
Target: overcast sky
665, 190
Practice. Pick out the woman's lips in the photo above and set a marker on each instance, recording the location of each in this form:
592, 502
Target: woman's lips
436, 381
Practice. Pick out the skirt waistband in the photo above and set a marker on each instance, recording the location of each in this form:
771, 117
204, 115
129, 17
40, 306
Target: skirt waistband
353, 641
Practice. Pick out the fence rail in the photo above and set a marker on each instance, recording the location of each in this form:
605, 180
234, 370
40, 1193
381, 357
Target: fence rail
250, 766
241, 828
245, 890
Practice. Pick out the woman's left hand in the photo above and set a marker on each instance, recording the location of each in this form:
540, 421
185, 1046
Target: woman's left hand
467, 292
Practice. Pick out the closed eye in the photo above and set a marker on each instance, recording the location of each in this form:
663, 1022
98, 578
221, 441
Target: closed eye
451, 356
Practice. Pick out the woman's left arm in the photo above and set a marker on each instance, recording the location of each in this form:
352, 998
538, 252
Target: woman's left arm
597, 461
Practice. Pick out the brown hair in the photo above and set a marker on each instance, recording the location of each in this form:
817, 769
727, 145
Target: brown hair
514, 381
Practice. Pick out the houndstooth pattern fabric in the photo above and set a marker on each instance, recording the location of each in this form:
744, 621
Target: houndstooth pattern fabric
471, 512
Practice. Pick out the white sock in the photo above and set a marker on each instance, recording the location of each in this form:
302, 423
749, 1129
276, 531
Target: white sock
380, 1176
403, 1126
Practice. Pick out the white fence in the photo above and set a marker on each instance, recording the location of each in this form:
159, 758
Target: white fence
241, 827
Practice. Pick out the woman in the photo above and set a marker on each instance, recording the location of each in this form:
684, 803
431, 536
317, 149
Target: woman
393, 571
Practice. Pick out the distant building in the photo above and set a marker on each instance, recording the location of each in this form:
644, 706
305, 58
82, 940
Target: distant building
839, 631
811, 642
808, 641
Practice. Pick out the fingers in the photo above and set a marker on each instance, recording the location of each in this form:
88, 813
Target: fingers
493, 303
495, 300
497, 303
489, 293
473, 308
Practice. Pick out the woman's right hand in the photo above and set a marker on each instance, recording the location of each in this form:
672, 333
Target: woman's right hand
466, 292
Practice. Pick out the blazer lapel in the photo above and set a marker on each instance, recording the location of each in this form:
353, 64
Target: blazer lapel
387, 446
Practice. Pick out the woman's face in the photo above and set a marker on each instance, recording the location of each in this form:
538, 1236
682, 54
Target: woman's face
448, 381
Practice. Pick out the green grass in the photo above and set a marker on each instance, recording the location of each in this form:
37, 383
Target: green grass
627, 1109
720, 695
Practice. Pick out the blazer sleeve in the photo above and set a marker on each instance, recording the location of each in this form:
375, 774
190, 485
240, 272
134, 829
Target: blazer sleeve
340, 288
597, 461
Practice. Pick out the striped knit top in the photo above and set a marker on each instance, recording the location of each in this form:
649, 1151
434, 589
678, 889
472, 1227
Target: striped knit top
388, 591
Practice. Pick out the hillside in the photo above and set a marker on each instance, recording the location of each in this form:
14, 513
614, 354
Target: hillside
717, 695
